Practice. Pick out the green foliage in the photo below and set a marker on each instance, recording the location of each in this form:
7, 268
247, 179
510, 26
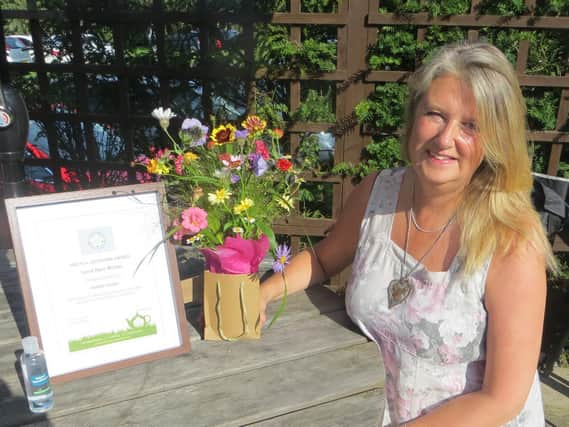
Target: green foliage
400, 7
507, 40
433, 7
309, 150
385, 107
437, 36
382, 153
553, 8
320, 6
542, 104
395, 48
317, 107
269, 109
277, 53
447, 7
315, 200
503, 7
548, 53
538, 154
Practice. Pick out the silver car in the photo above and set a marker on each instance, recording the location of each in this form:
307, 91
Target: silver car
17, 50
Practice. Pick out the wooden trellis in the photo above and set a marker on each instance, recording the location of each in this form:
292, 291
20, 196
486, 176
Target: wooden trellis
357, 23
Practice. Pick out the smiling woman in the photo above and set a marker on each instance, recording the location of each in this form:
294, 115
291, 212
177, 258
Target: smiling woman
444, 144
448, 254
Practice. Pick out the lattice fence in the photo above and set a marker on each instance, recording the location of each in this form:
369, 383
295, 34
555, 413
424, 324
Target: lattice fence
358, 27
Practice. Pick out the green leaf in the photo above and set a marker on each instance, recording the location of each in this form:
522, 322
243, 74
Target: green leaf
268, 231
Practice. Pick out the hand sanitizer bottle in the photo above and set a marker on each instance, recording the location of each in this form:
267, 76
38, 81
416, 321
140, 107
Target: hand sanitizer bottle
36, 378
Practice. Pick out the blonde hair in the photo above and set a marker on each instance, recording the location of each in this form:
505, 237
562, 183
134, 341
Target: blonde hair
496, 212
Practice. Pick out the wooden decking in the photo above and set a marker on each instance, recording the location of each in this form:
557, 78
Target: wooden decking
312, 368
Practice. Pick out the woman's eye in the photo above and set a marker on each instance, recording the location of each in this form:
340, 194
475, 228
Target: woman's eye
470, 126
435, 115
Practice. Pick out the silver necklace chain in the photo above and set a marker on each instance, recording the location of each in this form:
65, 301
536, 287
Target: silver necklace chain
424, 230
427, 252
414, 220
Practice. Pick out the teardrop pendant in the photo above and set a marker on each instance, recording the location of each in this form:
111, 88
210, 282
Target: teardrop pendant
398, 291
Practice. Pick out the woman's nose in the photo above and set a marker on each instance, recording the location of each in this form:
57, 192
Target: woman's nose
448, 134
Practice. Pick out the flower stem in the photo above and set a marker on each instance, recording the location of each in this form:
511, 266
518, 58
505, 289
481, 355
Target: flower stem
283, 302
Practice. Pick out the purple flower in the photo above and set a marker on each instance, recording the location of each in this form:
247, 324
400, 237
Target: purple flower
282, 258
258, 164
193, 132
241, 134
234, 178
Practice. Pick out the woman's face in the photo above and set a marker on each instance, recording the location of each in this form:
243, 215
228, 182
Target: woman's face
444, 145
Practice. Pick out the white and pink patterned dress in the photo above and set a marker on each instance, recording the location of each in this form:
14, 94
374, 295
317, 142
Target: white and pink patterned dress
433, 344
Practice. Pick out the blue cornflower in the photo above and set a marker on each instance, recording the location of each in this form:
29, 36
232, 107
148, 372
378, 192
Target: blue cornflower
194, 131
241, 133
282, 258
258, 164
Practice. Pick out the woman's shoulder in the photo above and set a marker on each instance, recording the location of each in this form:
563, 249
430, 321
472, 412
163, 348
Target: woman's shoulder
382, 177
521, 265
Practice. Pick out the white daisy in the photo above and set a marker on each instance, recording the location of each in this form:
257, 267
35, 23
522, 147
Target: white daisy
163, 116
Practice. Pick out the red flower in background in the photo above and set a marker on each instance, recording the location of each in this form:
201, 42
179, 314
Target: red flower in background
284, 164
218, 44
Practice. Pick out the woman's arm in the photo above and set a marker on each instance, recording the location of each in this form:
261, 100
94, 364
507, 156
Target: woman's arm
330, 256
515, 301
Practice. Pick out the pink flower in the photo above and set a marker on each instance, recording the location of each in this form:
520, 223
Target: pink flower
236, 255
194, 220
178, 164
261, 148
218, 44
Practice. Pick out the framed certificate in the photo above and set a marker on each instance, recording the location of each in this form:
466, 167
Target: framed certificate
99, 281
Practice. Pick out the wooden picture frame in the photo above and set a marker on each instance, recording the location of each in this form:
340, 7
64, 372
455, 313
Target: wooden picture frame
99, 281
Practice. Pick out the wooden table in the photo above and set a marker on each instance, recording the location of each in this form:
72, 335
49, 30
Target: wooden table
312, 368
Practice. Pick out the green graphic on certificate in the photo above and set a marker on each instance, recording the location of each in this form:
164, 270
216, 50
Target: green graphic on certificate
138, 326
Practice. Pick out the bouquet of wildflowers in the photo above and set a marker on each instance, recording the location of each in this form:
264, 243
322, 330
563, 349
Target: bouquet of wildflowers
228, 184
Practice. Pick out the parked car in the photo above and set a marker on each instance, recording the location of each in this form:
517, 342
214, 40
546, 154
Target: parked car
96, 48
17, 50
54, 50
58, 49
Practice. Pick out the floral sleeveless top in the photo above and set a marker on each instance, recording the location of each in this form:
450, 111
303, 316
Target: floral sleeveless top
432, 344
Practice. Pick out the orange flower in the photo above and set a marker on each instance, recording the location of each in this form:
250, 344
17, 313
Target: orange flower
278, 133
254, 124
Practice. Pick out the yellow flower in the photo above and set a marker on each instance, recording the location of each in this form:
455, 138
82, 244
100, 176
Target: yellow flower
237, 230
189, 157
243, 206
285, 202
156, 167
151, 166
223, 134
219, 197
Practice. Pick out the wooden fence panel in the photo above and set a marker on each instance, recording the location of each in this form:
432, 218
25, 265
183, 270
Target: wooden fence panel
357, 24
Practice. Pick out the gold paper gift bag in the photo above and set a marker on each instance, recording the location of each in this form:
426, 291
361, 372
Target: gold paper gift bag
231, 306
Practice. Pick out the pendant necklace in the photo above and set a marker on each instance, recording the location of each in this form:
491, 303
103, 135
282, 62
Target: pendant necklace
400, 289
425, 230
